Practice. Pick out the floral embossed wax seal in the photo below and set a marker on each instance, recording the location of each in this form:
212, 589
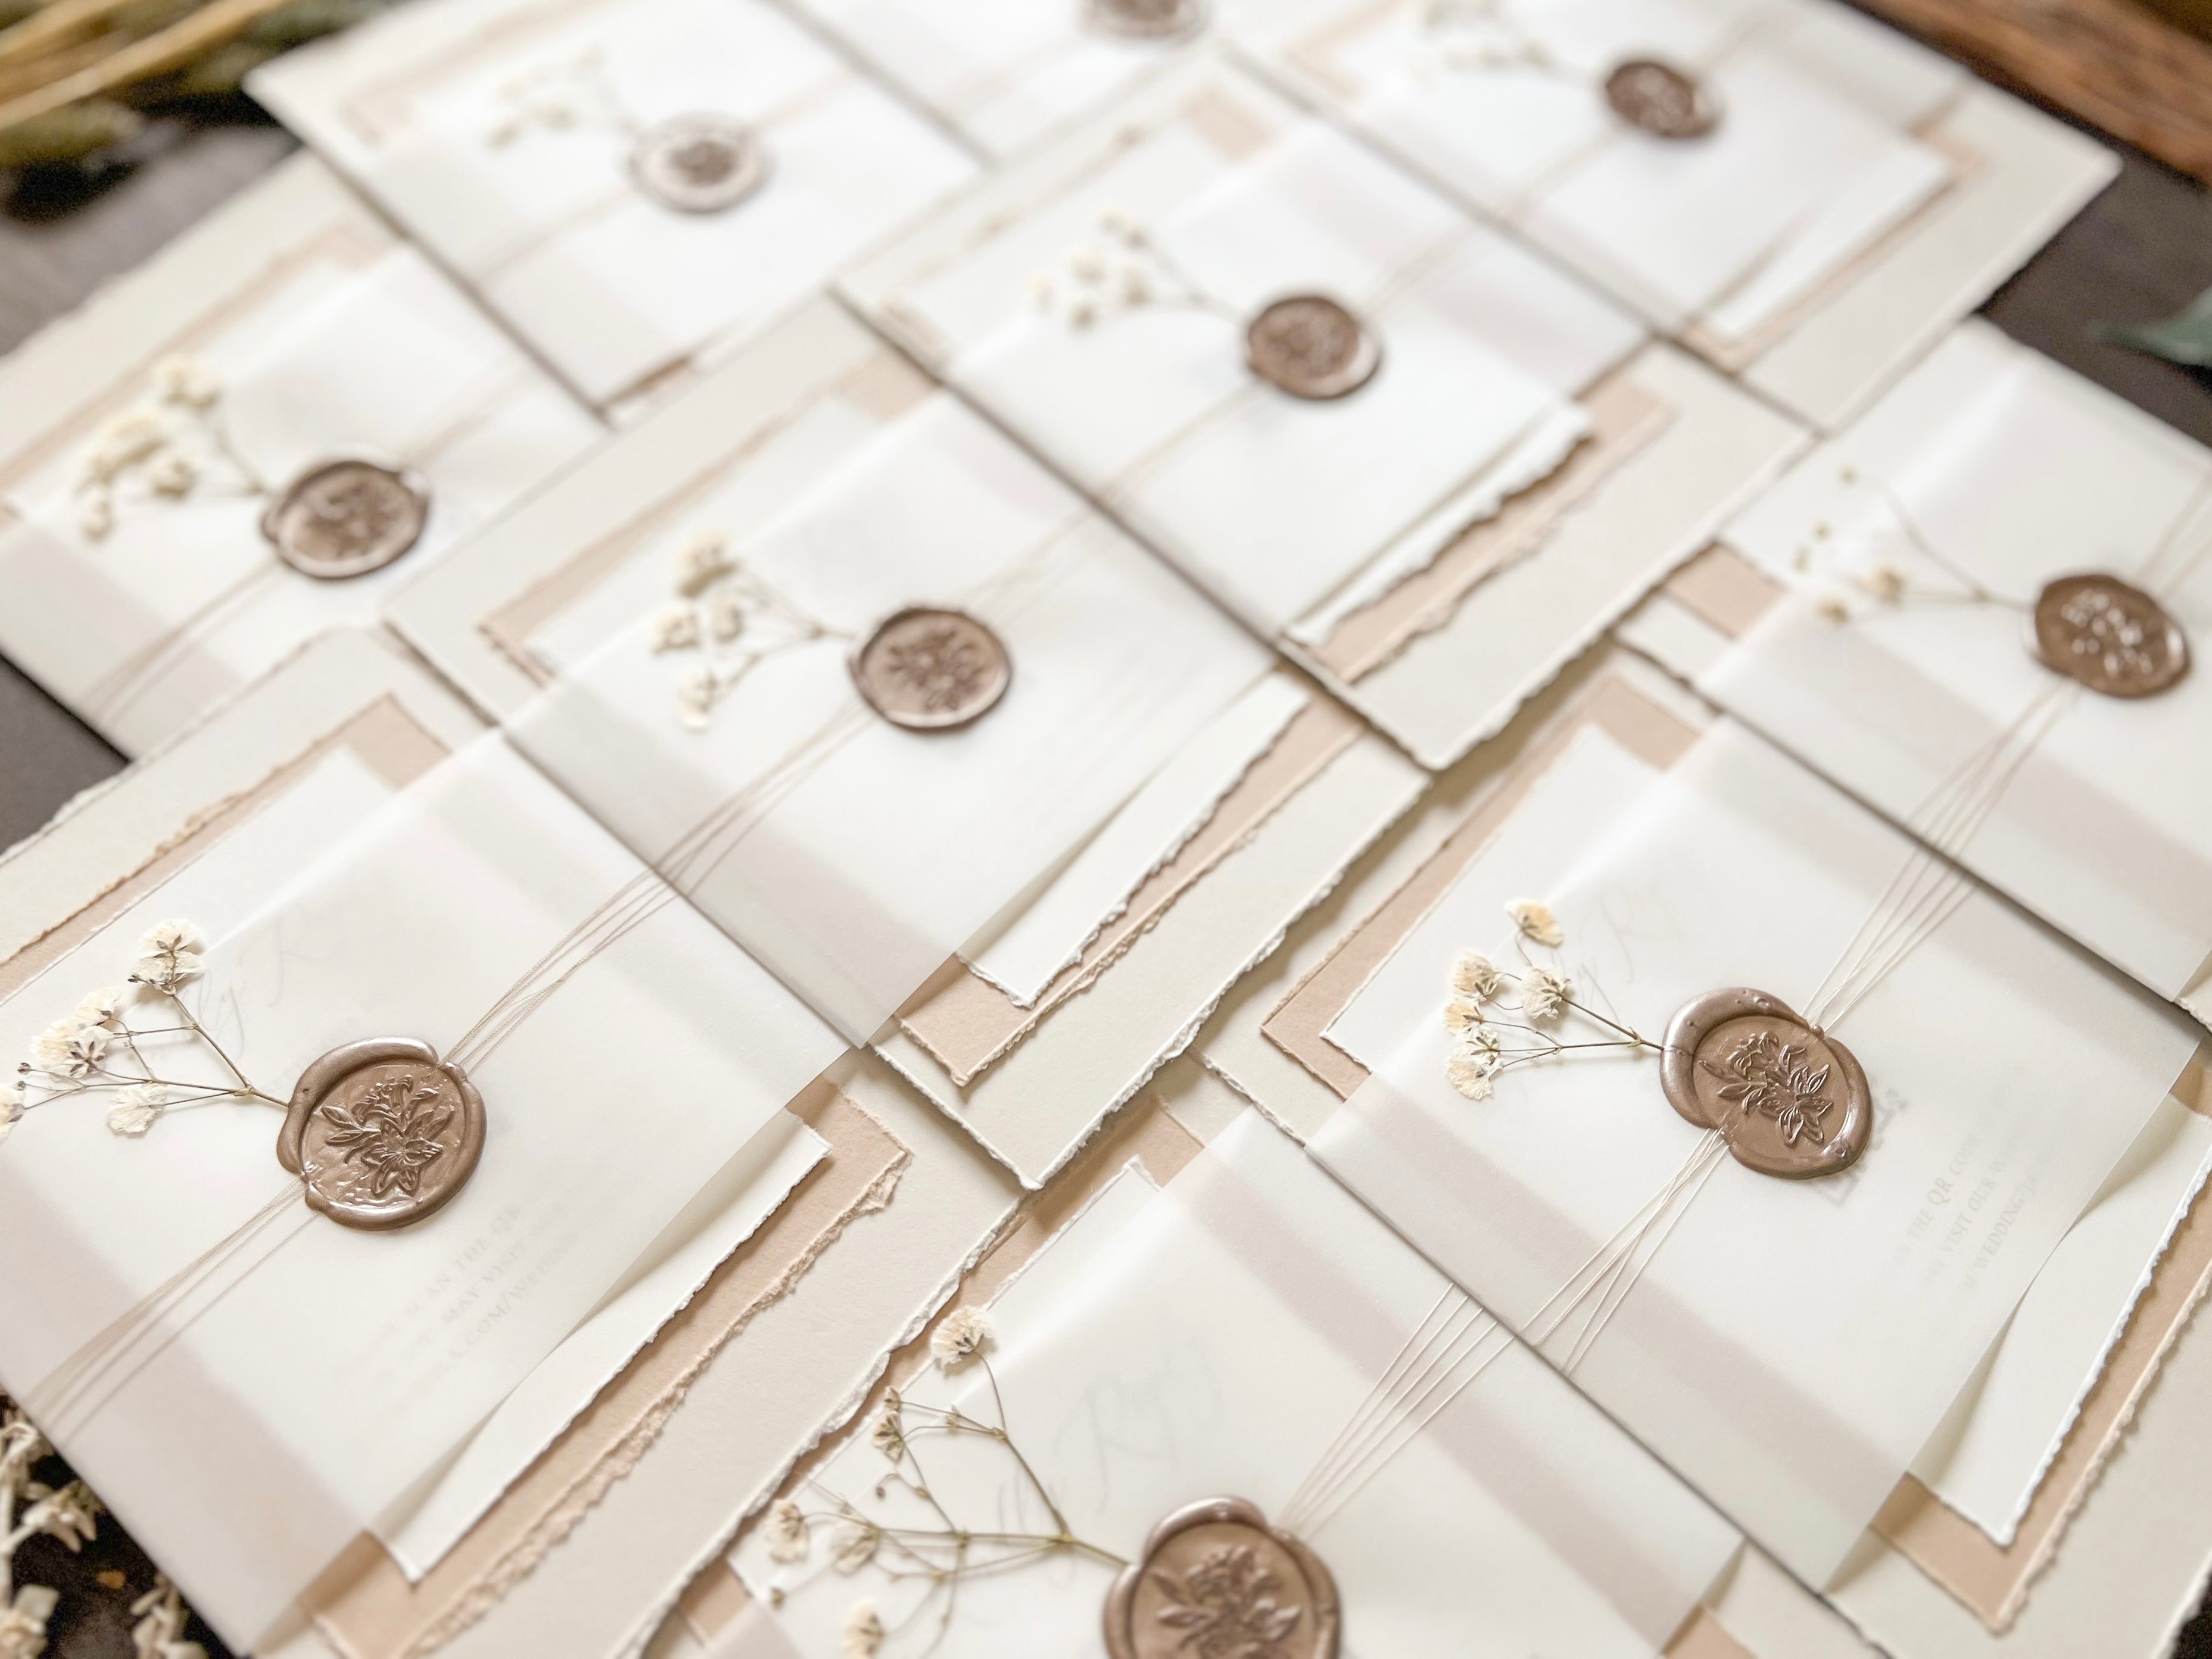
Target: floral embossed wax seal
1217, 1581
1789, 1100
346, 518
698, 163
1149, 20
2109, 634
929, 670
382, 1133
1311, 347
1661, 100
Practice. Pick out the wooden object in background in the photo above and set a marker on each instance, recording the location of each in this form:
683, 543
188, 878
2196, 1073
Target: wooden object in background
2113, 63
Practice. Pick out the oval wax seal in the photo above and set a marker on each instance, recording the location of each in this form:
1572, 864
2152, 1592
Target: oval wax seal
1661, 100
382, 1132
699, 163
346, 518
929, 670
1216, 1579
1789, 1100
1310, 346
2109, 634
1148, 19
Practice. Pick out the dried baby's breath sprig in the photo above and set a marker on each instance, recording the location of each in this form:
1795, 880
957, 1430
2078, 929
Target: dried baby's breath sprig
1491, 1033
730, 614
1124, 270
1847, 561
107, 1046
69, 1514
572, 94
941, 1556
1479, 35
173, 445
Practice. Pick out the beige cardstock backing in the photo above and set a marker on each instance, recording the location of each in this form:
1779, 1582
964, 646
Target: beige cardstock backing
1991, 1580
1625, 418
1144, 1132
966, 1022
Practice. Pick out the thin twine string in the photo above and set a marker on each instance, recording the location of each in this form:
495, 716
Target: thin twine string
65, 1393
137, 673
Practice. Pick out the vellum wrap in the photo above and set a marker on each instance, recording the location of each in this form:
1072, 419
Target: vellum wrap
612, 287
1214, 1339
2017, 472
305, 1388
853, 857
1004, 72
1273, 502
1812, 161
183, 600
1789, 1347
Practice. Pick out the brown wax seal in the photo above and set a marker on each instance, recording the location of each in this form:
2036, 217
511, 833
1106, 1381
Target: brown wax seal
929, 670
346, 518
1215, 1579
1146, 19
382, 1132
1790, 1100
1309, 346
699, 163
2109, 634
1661, 100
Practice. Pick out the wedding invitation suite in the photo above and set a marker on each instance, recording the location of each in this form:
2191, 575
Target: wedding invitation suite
1381, 1458
1423, 460
633, 185
1005, 72
2015, 1257
1795, 191
1977, 609
246, 443
1027, 912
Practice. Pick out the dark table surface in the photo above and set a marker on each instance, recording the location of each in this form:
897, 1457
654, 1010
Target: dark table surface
2141, 251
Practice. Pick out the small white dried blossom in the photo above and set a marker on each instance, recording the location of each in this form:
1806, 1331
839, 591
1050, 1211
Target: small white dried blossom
725, 616
23, 1621
695, 699
1833, 608
1123, 226
1885, 582
1463, 1014
852, 1544
135, 1108
1535, 921
787, 1537
69, 1514
67, 1049
864, 1632
1474, 974
676, 629
169, 955
1545, 993
1468, 1072
11, 1114
963, 1333
172, 474
701, 562
186, 380
888, 1434
103, 1007
1088, 263
95, 514
125, 442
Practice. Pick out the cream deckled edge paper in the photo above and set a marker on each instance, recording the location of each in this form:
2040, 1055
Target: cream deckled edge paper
1992, 1581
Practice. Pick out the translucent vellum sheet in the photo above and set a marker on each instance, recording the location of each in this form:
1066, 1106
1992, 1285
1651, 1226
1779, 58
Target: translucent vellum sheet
1214, 1339
1787, 1347
1991, 465
1812, 159
1273, 502
852, 856
512, 158
172, 597
325, 1372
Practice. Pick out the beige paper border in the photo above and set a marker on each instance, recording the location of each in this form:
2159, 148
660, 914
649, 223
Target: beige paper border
1625, 418
1724, 590
965, 1022
364, 1605
1990, 1580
